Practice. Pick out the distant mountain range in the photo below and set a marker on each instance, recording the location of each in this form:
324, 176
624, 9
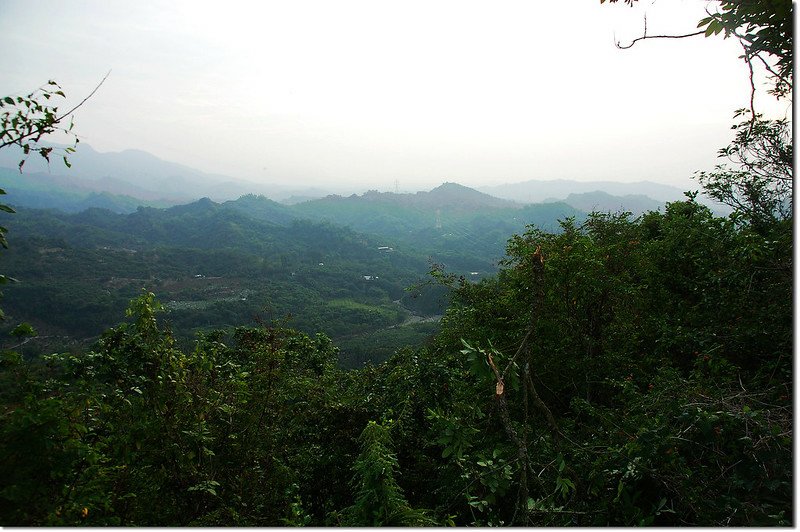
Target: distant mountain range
389, 212
142, 175
603, 202
604, 196
541, 190
122, 181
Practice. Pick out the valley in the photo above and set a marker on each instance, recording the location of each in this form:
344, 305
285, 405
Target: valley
371, 264
352, 268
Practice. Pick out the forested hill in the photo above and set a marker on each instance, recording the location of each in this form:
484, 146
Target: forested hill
214, 265
435, 359
612, 373
449, 219
122, 192
42, 190
450, 223
450, 201
218, 264
262, 209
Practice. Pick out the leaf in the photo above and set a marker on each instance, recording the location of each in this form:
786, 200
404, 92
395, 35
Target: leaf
8, 100
66, 162
206, 486
22, 330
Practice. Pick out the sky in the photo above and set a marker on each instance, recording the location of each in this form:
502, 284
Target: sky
378, 94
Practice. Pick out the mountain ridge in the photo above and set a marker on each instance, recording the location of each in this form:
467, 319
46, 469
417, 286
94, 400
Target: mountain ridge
539, 190
134, 173
147, 174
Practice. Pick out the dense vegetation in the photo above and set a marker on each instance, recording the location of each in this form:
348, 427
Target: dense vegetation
212, 266
616, 370
217, 265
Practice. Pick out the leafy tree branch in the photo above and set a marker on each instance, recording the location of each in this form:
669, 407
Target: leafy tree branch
26, 120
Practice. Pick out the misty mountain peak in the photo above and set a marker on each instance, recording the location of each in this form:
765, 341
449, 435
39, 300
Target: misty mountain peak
200, 206
450, 194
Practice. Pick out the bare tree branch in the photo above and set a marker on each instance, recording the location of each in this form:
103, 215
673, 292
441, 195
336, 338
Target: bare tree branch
645, 37
747, 60
85, 99
771, 71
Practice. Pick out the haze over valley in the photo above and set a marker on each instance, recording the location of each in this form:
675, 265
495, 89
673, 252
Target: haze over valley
407, 264
145, 177
124, 206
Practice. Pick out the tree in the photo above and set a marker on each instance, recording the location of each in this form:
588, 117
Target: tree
379, 499
759, 186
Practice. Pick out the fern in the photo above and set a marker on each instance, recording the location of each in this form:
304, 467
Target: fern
379, 499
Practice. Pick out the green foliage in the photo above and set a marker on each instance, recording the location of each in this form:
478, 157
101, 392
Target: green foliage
22, 330
378, 346
763, 27
759, 187
26, 120
379, 499
617, 371
452, 224
138, 431
78, 272
651, 336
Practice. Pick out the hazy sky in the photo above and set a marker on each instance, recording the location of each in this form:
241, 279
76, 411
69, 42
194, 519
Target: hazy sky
369, 92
